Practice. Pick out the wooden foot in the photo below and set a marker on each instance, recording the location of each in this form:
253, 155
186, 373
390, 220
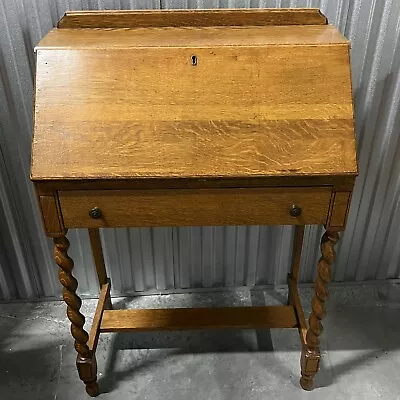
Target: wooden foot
309, 367
86, 362
87, 369
92, 389
311, 352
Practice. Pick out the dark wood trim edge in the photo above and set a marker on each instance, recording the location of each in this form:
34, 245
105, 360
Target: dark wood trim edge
192, 18
95, 330
294, 299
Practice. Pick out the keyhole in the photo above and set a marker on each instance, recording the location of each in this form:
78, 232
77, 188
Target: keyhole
194, 60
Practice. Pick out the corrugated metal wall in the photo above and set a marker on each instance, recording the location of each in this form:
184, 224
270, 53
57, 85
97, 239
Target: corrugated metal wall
172, 258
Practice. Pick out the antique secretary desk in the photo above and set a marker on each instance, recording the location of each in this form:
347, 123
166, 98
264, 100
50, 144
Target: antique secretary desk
183, 118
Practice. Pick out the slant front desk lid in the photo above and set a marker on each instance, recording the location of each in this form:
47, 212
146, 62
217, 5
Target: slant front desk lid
223, 94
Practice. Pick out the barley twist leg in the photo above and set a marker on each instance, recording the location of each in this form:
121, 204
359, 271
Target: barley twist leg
86, 361
311, 350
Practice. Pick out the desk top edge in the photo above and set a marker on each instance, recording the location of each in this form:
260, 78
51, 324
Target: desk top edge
194, 37
339, 182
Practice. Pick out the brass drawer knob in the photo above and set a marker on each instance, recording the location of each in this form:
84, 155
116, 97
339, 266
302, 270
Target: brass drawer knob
95, 213
295, 211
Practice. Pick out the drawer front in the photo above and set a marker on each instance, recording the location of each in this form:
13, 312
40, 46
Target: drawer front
187, 207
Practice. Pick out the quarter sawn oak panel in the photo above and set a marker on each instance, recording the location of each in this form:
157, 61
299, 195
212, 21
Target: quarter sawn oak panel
240, 112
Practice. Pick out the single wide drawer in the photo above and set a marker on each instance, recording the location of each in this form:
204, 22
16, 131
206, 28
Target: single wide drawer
180, 207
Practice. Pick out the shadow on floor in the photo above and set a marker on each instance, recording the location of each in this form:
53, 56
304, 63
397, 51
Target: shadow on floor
180, 343
30, 354
364, 333
360, 344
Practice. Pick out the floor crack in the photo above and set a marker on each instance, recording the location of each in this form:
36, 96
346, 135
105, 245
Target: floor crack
34, 318
59, 370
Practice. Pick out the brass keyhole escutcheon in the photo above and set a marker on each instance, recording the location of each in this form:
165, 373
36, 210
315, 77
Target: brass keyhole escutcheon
193, 60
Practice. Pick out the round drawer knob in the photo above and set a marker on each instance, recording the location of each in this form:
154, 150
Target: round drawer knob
95, 213
295, 211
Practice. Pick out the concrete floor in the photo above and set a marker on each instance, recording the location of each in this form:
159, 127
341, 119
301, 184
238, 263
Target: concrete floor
361, 352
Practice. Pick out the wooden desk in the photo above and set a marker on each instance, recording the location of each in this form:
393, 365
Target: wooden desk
174, 118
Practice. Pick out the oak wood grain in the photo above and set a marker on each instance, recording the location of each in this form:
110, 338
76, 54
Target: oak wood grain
51, 216
187, 207
198, 318
191, 18
279, 110
122, 38
340, 208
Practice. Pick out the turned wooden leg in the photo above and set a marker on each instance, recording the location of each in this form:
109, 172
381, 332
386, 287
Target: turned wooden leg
311, 355
86, 361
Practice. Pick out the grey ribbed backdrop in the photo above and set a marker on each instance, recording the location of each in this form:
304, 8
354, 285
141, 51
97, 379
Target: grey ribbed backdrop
144, 260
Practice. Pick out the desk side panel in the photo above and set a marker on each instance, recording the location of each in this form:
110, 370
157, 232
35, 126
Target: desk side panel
51, 214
